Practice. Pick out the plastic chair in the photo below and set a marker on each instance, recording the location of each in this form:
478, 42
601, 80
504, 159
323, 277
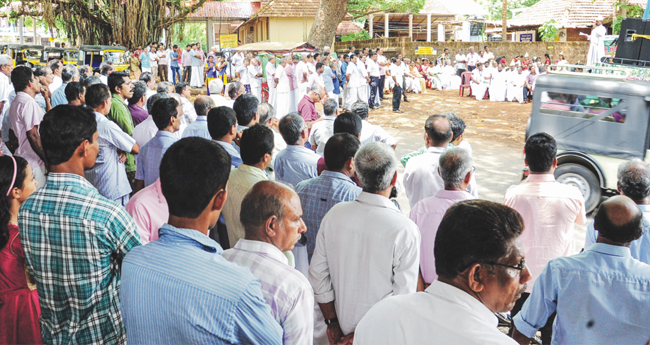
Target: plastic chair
465, 79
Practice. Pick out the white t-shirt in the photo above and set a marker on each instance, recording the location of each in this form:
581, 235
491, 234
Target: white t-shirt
398, 73
373, 68
244, 77
380, 60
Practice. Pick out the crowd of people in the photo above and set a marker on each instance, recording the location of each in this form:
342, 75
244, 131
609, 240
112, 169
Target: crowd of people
149, 217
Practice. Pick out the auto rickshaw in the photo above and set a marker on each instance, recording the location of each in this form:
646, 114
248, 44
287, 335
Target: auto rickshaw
22, 54
93, 56
68, 56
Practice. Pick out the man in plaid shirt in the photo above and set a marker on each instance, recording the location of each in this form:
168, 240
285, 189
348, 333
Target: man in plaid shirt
74, 238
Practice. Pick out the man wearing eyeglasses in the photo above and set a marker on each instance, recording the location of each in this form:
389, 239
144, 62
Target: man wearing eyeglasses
307, 107
481, 271
549, 209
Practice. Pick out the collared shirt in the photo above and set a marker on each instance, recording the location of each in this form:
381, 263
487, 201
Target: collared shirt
120, 114
199, 299
56, 83
186, 58
301, 70
198, 128
235, 157
318, 195
58, 96
145, 59
146, 130
355, 77
196, 56
373, 68
150, 156
148, 207
427, 215
253, 71
600, 296
74, 240
321, 132
162, 60
189, 115
244, 77
109, 175
285, 290
442, 314
307, 109
372, 228
25, 114
380, 60
549, 209
295, 164
138, 114
288, 70
220, 101
371, 133
398, 73
328, 76
472, 59
174, 55
240, 182
640, 248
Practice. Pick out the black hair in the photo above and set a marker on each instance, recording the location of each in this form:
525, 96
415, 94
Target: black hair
348, 123
96, 95
175, 46
6, 175
187, 188
139, 90
105, 67
245, 106
21, 76
291, 127
63, 129
339, 149
163, 110
623, 233
154, 98
145, 77
180, 87
352, 56
319, 65
116, 79
438, 135
92, 80
474, 231
540, 150
54, 64
371, 54
457, 124
255, 142
220, 121
73, 90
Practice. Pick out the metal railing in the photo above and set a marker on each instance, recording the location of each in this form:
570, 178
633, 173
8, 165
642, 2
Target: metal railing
590, 71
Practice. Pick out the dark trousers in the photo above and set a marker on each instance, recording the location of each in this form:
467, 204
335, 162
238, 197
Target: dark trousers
397, 96
187, 74
547, 330
374, 87
470, 68
460, 71
382, 81
402, 90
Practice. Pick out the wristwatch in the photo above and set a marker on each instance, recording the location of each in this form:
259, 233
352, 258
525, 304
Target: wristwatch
331, 321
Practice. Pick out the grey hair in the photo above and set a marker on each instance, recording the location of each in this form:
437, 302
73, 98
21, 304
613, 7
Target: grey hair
291, 127
634, 179
68, 72
315, 89
216, 86
376, 165
326, 48
233, 88
165, 86
455, 163
329, 107
154, 98
5, 59
259, 204
471, 47
360, 108
265, 112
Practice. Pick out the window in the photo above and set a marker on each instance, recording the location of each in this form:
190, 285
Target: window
606, 109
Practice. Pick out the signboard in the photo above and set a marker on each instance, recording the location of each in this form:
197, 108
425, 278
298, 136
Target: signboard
228, 41
526, 37
425, 50
610, 48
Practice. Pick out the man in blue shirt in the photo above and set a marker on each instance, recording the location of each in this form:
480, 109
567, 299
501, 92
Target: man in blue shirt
179, 289
166, 114
68, 74
199, 128
296, 163
601, 296
633, 182
222, 124
174, 57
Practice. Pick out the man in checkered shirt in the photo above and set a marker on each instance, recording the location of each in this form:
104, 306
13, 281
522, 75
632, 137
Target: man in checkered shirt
74, 238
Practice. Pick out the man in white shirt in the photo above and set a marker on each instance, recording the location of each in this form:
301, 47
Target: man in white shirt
147, 129
302, 77
481, 269
189, 113
374, 74
366, 249
283, 87
272, 225
216, 89
480, 82
487, 54
516, 82
461, 60
163, 57
153, 56
321, 131
57, 68
6, 88
472, 59
354, 83
369, 132
270, 80
255, 75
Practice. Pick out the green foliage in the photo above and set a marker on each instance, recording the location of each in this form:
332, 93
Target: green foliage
632, 11
361, 7
188, 33
495, 7
549, 31
355, 36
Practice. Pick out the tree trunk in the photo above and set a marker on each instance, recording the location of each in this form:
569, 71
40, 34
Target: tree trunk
330, 14
504, 21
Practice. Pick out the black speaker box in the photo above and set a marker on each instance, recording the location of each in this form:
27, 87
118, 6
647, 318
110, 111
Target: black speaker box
633, 52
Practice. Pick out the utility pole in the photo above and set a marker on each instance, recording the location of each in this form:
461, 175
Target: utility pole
504, 21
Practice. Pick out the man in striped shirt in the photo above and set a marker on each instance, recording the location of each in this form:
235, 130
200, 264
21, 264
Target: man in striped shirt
180, 289
272, 219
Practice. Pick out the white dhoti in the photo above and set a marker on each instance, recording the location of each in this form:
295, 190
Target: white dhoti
478, 90
293, 105
515, 92
498, 91
436, 83
334, 97
283, 100
352, 95
273, 94
197, 77
256, 90
364, 93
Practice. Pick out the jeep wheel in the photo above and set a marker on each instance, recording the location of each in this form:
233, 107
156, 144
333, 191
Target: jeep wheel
583, 179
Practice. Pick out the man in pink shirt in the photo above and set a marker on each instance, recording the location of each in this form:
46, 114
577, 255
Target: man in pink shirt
549, 210
148, 207
306, 106
456, 171
25, 115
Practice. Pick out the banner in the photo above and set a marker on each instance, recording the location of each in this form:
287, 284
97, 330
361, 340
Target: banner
228, 41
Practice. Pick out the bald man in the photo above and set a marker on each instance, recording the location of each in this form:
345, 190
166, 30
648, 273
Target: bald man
272, 218
600, 295
199, 128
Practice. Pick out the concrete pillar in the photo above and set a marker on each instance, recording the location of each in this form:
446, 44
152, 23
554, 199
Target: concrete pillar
429, 27
210, 32
35, 34
386, 25
21, 24
411, 27
441, 32
371, 21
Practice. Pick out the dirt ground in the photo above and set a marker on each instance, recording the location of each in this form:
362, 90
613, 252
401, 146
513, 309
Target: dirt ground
502, 123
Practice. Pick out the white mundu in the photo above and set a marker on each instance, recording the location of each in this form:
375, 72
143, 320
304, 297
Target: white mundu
283, 96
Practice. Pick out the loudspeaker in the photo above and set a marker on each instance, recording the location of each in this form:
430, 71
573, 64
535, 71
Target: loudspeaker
629, 51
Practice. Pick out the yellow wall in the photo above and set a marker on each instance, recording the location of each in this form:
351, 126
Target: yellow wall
290, 29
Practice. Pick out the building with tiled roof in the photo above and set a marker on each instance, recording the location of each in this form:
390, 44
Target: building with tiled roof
347, 27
